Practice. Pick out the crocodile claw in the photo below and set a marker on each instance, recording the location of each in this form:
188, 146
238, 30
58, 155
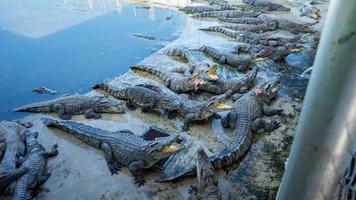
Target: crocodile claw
139, 180
114, 167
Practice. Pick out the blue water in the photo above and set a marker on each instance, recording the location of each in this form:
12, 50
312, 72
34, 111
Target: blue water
68, 47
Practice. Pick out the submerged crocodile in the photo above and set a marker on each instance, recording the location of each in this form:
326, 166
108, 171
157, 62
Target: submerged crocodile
239, 62
122, 148
70, 105
44, 90
35, 163
142, 96
199, 9
225, 14
244, 119
257, 5
253, 38
15, 146
207, 179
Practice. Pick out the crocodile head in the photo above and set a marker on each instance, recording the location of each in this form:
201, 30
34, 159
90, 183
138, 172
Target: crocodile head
217, 103
161, 148
106, 105
31, 140
267, 90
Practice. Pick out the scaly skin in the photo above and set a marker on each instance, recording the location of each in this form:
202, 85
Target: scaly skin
225, 14
288, 25
309, 10
241, 63
243, 20
199, 9
67, 106
120, 148
240, 85
9, 178
255, 5
138, 95
175, 81
35, 162
252, 38
259, 28
207, 179
197, 66
15, 147
192, 110
244, 119
261, 52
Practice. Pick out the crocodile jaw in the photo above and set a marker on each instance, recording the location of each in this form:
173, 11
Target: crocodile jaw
223, 106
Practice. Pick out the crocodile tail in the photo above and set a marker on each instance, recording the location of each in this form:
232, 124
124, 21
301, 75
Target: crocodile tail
189, 172
235, 150
6, 178
153, 70
34, 107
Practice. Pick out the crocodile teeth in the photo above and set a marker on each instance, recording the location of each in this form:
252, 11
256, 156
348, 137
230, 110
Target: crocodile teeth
169, 149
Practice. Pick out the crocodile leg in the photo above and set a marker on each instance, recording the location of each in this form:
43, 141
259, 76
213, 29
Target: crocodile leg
148, 106
229, 121
135, 169
259, 125
41, 179
171, 114
130, 105
90, 114
2, 149
61, 111
53, 152
271, 111
8, 178
113, 165
187, 121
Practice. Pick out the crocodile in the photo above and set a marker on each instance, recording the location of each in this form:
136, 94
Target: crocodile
261, 52
44, 90
253, 38
198, 67
244, 119
241, 63
121, 148
238, 84
257, 5
242, 20
288, 25
15, 146
142, 96
175, 81
259, 28
207, 179
225, 14
199, 9
192, 110
309, 11
67, 106
35, 162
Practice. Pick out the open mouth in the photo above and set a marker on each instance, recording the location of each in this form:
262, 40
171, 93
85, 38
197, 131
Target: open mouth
274, 90
212, 73
260, 59
315, 15
295, 49
171, 148
222, 106
197, 83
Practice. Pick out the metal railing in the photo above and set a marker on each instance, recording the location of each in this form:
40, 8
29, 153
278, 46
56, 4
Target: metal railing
326, 132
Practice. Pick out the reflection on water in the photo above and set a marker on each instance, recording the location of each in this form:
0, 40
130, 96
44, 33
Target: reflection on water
69, 45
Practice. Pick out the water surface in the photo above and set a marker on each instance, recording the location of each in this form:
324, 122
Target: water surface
70, 45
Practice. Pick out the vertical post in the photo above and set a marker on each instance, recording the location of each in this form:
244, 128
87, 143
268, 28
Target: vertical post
327, 125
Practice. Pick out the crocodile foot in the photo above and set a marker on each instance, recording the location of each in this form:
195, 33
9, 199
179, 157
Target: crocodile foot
114, 167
